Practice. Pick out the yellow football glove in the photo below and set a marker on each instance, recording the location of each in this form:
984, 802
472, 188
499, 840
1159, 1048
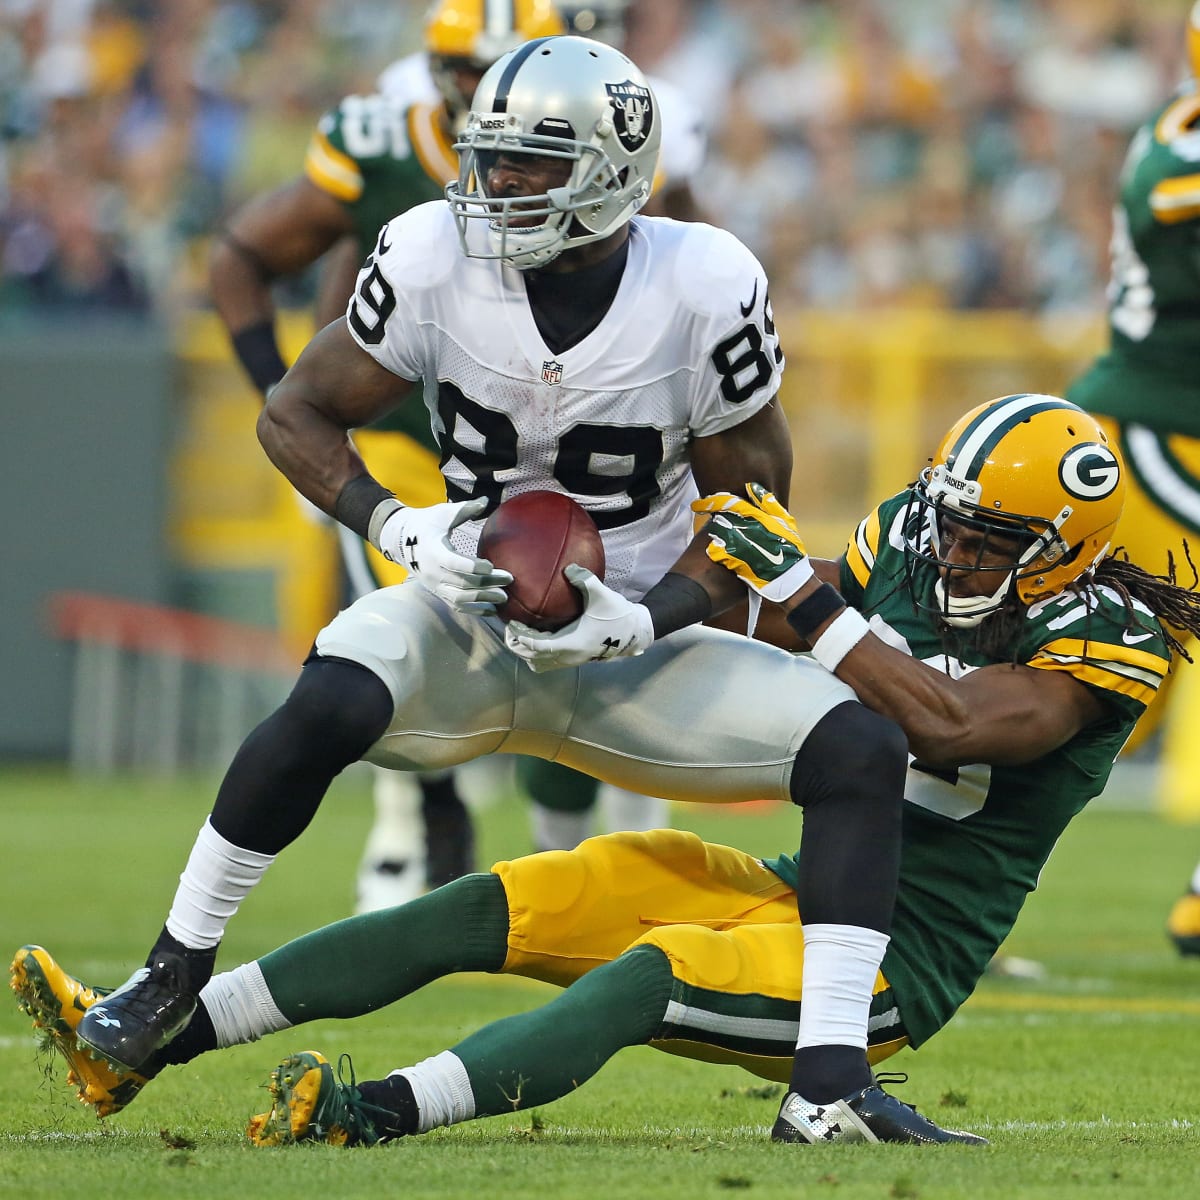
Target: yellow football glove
757, 540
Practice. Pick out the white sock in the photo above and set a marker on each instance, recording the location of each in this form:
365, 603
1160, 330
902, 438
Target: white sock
840, 966
1196, 880
442, 1091
217, 878
241, 1007
554, 830
621, 809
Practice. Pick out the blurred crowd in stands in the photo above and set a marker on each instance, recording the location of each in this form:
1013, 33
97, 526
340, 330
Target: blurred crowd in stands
949, 152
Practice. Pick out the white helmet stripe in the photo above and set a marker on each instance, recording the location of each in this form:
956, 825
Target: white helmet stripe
499, 17
981, 438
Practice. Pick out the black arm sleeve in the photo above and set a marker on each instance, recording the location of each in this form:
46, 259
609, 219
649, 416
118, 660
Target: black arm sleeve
357, 501
258, 352
676, 601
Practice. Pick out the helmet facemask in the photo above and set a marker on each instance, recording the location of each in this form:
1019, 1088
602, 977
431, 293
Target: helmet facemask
1012, 550
513, 234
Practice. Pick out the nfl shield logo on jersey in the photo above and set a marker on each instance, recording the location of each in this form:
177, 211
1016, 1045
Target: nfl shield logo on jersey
633, 112
552, 371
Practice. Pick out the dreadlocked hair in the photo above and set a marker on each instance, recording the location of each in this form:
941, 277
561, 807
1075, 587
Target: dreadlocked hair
1177, 607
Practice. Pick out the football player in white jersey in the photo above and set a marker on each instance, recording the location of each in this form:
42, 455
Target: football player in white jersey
564, 344
565, 805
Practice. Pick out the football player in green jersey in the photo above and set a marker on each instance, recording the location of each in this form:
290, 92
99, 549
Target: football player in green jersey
981, 610
370, 158
1146, 391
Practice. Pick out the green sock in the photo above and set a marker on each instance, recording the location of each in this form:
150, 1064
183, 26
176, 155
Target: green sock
535, 1057
364, 963
553, 786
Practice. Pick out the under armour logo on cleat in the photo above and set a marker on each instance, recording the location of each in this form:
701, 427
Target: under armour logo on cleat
102, 1018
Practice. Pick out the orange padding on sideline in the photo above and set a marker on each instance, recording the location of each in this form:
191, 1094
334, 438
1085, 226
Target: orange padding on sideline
155, 629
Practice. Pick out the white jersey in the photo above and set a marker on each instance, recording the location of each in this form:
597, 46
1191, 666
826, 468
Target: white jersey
408, 81
687, 349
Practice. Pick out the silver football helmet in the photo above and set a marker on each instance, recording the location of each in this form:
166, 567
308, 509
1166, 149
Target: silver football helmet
558, 97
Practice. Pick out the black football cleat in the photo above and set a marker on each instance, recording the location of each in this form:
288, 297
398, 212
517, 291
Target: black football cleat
870, 1115
127, 1026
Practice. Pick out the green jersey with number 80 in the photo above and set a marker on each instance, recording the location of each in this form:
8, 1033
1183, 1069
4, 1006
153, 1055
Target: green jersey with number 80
976, 837
1151, 373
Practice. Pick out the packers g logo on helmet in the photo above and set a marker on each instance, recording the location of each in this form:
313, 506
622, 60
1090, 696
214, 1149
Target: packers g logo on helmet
1037, 475
1089, 472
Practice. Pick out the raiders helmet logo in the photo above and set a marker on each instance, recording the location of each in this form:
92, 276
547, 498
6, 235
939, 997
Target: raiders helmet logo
1089, 472
633, 112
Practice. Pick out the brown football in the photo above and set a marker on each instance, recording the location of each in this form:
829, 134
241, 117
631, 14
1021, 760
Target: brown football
533, 537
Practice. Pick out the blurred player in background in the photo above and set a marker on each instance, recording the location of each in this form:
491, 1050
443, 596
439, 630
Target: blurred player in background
369, 159
1146, 391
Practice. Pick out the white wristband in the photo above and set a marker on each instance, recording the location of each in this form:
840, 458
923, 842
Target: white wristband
379, 518
843, 633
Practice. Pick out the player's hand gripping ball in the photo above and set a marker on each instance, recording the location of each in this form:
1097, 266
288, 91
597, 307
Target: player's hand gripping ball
533, 537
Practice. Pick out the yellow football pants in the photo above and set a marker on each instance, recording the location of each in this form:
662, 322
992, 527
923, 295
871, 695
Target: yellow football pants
727, 925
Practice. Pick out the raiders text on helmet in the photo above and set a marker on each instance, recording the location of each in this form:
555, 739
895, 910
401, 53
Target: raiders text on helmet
561, 97
1036, 474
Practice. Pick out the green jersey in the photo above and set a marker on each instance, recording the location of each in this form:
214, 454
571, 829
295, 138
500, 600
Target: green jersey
1151, 373
380, 157
976, 837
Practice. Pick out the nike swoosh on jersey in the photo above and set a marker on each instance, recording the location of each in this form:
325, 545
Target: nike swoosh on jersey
1133, 641
747, 309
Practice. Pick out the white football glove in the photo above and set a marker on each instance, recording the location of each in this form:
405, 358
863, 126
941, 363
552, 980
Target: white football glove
610, 627
419, 540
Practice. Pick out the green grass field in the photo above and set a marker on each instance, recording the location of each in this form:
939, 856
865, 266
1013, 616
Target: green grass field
1084, 1081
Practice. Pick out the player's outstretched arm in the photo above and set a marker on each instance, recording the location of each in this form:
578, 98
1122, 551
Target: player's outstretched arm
1007, 713
271, 236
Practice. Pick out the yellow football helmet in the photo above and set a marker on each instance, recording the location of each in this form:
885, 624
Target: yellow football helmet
1038, 476
1193, 40
471, 34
